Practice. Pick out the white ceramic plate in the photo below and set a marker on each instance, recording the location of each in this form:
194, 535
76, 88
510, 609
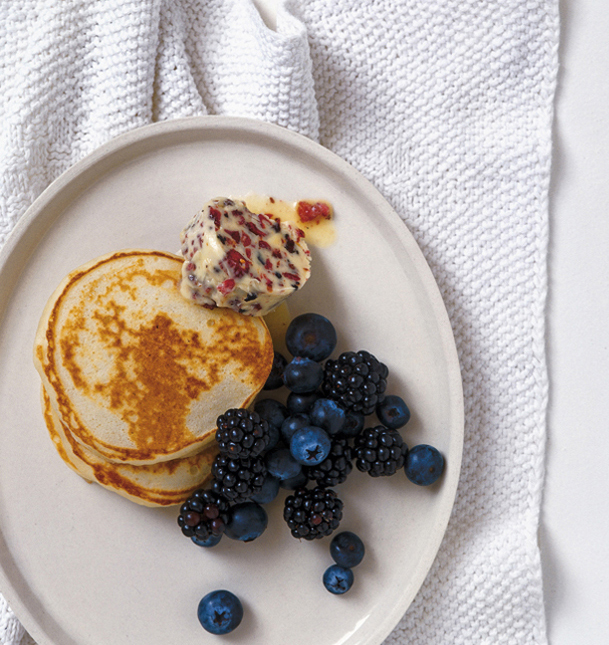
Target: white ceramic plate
81, 565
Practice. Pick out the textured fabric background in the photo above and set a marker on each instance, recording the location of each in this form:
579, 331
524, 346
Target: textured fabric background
446, 106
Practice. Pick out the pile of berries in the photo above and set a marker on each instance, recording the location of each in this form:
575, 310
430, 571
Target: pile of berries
307, 446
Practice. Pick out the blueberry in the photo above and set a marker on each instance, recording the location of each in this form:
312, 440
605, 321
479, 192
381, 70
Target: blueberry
247, 521
212, 540
337, 579
281, 464
310, 445
268, 492
354, 424
293, 423
293, 483
424, 465
220, 612
312, 336
273, 411
346, 549
275, 377
298, 403
274, 437
393, 412
327, 414
303, 375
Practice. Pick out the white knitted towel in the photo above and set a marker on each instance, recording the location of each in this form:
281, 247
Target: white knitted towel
446, 106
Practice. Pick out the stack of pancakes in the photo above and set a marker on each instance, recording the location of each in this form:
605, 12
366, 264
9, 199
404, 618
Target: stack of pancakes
134, 376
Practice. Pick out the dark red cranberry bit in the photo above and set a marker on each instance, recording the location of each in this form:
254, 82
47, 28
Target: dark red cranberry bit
191, 266
309, 212
248, 252
277, 253
269, 284
299, 234
226, 287
235, 235
239, 265
256, 306
272, 200
252, 228
268, 265
246, 240
264, 245
292, 276
208, 305
216, 216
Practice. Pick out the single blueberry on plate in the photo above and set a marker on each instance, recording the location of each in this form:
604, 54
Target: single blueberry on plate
220, 612
247, 522
424, 465
393, 412
347, 549
281, 464
212, 540
337, 579
310, 445
329, 415
297, 403
312, 336
268, 492
293, 423
275, 377
273, 411
303, 375
354, 424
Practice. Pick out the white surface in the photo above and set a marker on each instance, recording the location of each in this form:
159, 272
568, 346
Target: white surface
575, 515
107, 581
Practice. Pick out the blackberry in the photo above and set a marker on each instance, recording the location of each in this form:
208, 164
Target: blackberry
237, 479
204, 514
335, 468
242, 434
380, 451
356, 380
313, 513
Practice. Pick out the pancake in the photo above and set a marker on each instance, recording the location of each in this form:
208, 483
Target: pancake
163, 484
134, 371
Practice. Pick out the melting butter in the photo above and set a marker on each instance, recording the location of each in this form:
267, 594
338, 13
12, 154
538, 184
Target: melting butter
319, 232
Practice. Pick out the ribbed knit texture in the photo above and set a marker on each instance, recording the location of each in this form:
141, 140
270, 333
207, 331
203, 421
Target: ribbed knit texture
446, 106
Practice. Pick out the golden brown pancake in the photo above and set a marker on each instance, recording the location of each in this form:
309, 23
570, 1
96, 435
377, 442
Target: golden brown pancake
162, 484
134, 371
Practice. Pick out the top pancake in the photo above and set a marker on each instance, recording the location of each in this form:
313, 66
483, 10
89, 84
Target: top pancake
136, 372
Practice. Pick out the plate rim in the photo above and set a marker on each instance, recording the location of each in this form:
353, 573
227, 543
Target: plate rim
212, 123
